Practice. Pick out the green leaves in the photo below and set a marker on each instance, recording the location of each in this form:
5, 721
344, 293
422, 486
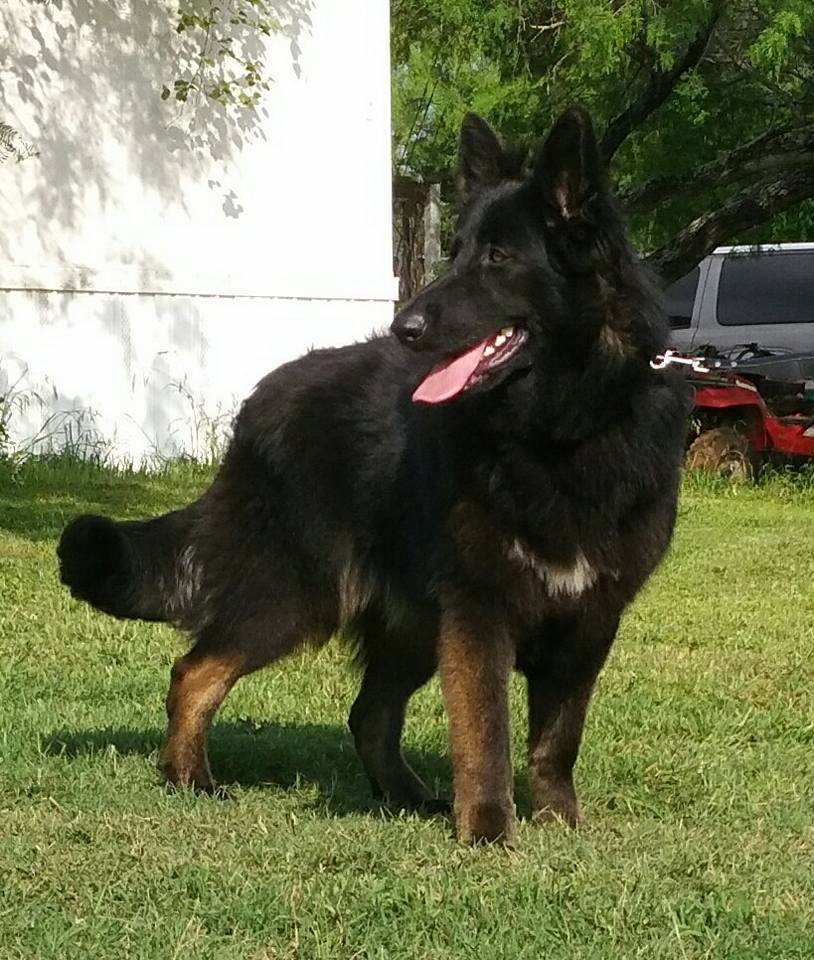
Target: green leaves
222, 58
521, 63
775, 46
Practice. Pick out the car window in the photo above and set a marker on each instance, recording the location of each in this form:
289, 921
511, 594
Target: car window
679, 298
774, 288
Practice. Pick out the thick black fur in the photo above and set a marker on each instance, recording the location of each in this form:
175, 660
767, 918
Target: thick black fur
534, 505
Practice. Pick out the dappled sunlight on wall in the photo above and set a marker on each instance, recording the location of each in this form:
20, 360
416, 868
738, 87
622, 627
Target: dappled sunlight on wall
83, 80
149, 230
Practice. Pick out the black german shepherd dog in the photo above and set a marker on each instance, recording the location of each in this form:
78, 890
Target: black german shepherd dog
485, 490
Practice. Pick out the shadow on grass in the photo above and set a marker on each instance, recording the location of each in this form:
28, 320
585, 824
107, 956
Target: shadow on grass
253, 755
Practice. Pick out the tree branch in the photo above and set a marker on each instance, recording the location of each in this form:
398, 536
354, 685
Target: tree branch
755, 204
771, 151
660, 85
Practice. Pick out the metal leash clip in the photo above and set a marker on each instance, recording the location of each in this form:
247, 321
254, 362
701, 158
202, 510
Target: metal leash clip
670, 357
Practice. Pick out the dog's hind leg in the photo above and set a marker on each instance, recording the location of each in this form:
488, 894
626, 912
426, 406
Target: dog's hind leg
201, 680
560, 682
394, 670
199, 683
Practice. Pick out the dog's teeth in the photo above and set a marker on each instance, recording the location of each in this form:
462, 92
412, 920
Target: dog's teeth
507, 332
499, 340
488, 351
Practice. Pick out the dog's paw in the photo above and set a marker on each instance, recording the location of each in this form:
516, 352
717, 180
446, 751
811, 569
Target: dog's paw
555, 801
485, 823
188, 777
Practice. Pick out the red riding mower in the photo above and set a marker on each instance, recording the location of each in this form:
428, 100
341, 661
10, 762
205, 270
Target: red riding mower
750, 405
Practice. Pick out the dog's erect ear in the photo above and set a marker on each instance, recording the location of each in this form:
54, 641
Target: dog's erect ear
481, 157
568, 169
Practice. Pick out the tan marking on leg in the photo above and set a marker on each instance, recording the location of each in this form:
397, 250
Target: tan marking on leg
475, 672
198, 686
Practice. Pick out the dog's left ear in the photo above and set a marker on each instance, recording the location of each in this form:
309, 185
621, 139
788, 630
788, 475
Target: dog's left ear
482, 158
568, 170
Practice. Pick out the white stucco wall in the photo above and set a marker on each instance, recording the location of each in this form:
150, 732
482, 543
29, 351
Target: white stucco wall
154, 264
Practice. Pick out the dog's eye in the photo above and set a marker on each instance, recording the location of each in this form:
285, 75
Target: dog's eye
495, 255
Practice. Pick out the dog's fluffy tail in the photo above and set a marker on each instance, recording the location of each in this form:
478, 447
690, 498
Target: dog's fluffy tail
140, 569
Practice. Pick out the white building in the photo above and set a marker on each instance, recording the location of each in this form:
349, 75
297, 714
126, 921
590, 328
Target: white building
157, 259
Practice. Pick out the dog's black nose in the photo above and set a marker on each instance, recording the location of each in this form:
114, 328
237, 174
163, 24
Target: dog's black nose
410, 328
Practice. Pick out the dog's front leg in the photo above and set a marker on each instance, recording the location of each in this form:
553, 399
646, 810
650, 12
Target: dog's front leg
475, 660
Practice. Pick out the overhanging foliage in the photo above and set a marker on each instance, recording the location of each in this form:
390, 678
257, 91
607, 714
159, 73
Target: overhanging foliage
707, 107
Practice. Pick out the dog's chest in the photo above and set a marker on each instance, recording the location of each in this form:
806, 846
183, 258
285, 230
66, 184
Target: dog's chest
560, 578
490, 553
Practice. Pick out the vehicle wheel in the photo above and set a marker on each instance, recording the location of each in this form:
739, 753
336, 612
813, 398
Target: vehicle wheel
722, 450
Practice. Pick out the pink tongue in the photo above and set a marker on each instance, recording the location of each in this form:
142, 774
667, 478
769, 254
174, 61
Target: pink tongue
450, 377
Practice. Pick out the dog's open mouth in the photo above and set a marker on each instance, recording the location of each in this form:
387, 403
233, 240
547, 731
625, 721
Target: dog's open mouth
464, 371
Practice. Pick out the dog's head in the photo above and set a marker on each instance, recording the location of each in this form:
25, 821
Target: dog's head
539, 264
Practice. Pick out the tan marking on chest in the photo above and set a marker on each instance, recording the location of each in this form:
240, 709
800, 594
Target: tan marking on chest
561, 580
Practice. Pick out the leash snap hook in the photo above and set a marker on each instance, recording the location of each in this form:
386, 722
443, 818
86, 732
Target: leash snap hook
670, 357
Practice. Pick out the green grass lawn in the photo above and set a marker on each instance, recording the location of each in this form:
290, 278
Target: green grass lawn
697, 773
